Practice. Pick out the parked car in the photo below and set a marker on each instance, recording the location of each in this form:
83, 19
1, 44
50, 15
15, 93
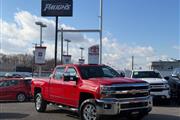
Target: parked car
159, 86
174, 82
93, 91
15, 89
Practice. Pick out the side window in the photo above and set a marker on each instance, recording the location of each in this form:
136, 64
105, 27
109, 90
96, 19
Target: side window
107, 72
1, 83
27, 81
72, 71
13, 82
6, 83
59, 73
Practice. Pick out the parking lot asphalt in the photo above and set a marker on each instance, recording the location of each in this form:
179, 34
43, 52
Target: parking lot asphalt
26, 111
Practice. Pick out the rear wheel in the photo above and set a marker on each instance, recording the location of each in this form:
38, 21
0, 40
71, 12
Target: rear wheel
40, 104
21, 97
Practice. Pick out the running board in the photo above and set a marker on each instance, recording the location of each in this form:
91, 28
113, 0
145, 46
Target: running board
65, 107
68, 108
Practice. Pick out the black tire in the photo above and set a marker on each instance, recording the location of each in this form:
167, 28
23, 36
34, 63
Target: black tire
167, 101
21, 97
40, 104
88, 110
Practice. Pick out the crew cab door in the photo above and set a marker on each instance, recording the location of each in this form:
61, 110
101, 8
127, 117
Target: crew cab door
71, 95
56, 85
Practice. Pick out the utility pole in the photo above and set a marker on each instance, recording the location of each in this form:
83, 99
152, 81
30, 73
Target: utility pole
41, 26
41, 42
68, 41
101, 29
132, 62
81, 48
62, 38
56, 39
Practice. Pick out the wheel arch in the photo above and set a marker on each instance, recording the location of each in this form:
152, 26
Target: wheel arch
84, 96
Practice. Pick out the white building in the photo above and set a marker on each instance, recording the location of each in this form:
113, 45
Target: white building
165, 67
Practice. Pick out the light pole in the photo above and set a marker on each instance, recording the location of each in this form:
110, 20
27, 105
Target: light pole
101, 31
67, 40
81, 48
132, 62
42, 25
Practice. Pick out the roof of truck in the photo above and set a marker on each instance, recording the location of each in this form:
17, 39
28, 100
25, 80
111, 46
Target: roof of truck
82, 65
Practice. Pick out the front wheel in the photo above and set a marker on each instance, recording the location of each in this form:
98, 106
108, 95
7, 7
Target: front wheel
40, 104
88, 111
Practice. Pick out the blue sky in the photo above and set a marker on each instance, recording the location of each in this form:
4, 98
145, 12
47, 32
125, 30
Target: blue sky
152, 23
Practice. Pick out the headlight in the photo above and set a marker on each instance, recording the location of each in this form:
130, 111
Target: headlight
166, 85
105, 91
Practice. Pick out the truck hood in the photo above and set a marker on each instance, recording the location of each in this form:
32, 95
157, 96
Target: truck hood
118, 80
154, 80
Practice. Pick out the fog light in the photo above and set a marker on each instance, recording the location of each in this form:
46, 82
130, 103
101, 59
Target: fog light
107, 106
163, 97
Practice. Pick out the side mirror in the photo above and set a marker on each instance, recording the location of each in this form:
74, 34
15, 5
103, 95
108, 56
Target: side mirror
174, 75
122, 74
51, 76
68, 77
166, 78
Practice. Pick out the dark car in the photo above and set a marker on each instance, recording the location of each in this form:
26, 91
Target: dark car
174, 82
18, 89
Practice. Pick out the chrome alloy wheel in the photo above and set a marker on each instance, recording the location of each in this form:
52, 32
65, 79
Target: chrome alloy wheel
21, 97
89, 112
38, 102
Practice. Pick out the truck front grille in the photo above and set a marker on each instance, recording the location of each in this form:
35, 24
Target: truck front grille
130, 90
157, 87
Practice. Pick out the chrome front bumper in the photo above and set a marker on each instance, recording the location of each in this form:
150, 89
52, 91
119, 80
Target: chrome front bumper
163, 94
113, 106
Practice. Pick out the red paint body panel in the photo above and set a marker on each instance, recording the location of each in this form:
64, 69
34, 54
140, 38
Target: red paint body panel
68, 92
11, 87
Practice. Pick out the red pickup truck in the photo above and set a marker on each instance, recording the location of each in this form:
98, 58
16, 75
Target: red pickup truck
93, 91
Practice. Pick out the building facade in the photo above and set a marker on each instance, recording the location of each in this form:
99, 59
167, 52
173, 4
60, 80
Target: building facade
165, 67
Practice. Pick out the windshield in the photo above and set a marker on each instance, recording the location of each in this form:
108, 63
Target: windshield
97, 72
146, 74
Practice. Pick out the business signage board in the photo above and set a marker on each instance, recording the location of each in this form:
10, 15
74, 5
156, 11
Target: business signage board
93, 54
66, 59
57, 7
39, 55
81, 61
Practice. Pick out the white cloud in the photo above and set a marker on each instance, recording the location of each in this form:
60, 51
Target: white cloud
177, 47
18, 36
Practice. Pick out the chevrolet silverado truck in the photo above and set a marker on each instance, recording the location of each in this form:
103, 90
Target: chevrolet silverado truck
160, 88
174, 82
92, 91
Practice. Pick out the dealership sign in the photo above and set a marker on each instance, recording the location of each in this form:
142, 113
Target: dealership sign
56, 7
39, 55
66, 59
81, 61
93, 54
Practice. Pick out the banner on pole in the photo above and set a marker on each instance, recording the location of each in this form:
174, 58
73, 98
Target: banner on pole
93, 54
66, 59
81, 61
39, 55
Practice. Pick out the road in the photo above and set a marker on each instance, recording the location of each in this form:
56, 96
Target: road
26, 111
